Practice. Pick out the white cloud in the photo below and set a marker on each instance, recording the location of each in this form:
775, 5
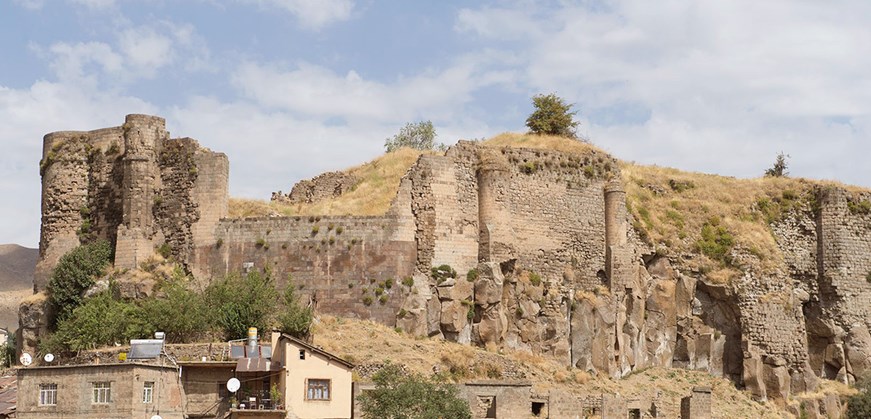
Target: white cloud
312, 14
95, 4
30, 4
145, 50
725, 85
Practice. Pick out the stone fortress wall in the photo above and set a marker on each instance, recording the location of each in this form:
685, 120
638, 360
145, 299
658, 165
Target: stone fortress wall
556, 267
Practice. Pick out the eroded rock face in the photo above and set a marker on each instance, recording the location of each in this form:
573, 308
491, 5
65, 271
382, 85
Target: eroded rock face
34, 315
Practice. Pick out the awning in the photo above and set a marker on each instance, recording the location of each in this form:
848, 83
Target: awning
256, 365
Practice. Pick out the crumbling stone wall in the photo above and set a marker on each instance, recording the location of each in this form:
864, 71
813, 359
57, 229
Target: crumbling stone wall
325, 186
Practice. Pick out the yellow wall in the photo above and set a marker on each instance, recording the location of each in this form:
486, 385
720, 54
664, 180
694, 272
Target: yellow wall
317, 367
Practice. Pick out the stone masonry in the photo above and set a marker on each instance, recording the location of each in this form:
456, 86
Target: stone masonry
539, 245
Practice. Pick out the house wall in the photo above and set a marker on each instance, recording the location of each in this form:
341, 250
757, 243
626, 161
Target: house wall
317, 367
512, 400
203, 388
74, 394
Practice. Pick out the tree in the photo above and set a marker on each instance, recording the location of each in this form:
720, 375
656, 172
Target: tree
76, 272
859, 405
296, 319
419, 136
398, 395
182, 313
779, 168
99, 321
239, 302
552, 116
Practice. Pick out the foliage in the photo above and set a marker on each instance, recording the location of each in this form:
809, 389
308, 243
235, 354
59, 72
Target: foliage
472, 275
716, 241
442, 273
100, 320
239, 302
419, 136
411, 396
859, 405
9, 351
296, 319
779, 169
552, 116
182, 313
74, 273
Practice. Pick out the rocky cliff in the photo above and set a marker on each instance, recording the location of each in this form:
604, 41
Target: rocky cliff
560, 250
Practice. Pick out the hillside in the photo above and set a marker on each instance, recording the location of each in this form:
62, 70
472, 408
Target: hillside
16, 280
367, 343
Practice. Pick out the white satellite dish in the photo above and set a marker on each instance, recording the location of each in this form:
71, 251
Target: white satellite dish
26, 359
48, 357
156, 417
233, 385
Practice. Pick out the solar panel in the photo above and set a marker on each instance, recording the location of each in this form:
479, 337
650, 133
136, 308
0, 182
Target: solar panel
145, 348
237, 351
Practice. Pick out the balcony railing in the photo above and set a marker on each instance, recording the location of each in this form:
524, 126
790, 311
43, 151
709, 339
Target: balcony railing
256, 400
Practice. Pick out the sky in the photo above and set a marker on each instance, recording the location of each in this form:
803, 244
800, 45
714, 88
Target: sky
289, 89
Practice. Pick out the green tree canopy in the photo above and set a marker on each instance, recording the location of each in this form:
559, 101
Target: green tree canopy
552, 116
418, 135
296, 319
75, 272
779, 169
239, 302
410, 396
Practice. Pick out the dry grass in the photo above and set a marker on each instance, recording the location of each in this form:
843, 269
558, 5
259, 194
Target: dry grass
366, 342
672, 207
549, 142
377, 185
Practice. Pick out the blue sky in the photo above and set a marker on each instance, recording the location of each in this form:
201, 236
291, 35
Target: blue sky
291, 88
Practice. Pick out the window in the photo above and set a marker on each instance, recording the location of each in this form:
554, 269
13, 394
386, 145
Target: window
317, 389
102, 392
48, 394
148, 392
302, 354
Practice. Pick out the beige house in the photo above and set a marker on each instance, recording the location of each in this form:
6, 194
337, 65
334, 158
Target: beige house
283, 378
315, 383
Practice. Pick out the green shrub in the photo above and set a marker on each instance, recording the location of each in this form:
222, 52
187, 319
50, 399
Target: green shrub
339, 230
383, 299
182, 313
164, 250
442, 273
76, 272
534, 279
315, 230
859, 405
716, 241
239, 302
552, 116
99, 321
859, 208
419, 136
408, 281
388, 283
400, 395
402, 313
472, 275
367, 300
296, 319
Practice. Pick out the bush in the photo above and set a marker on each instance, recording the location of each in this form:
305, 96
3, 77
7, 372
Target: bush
296, 319
419, 136
442, 273
182, 313
99, 321
552, 116
400, 396
74, 273
472, 275
716, 241
779, 167
239, 302
859, 405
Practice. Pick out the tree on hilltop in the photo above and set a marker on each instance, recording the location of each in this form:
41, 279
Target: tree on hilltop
552, 116
418, 135
779, 168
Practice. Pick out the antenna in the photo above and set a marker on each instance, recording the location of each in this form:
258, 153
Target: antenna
48, 357
26, 359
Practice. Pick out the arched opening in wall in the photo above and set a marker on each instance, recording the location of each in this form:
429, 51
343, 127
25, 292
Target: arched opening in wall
719, 341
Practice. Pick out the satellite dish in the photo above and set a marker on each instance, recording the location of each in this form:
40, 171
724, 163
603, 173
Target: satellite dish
48, 357
233, 385
156, 417
26, 359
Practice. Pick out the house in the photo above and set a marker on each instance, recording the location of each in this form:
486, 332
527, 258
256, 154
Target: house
315, 383
8, 395
117, 390
282, 378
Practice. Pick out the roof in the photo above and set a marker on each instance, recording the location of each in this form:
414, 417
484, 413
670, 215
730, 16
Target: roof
208, 364
316, 350
8, 394
114, 364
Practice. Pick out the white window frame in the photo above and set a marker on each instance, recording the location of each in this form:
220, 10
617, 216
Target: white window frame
314, 389
48, 394
101, 392
148, 392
